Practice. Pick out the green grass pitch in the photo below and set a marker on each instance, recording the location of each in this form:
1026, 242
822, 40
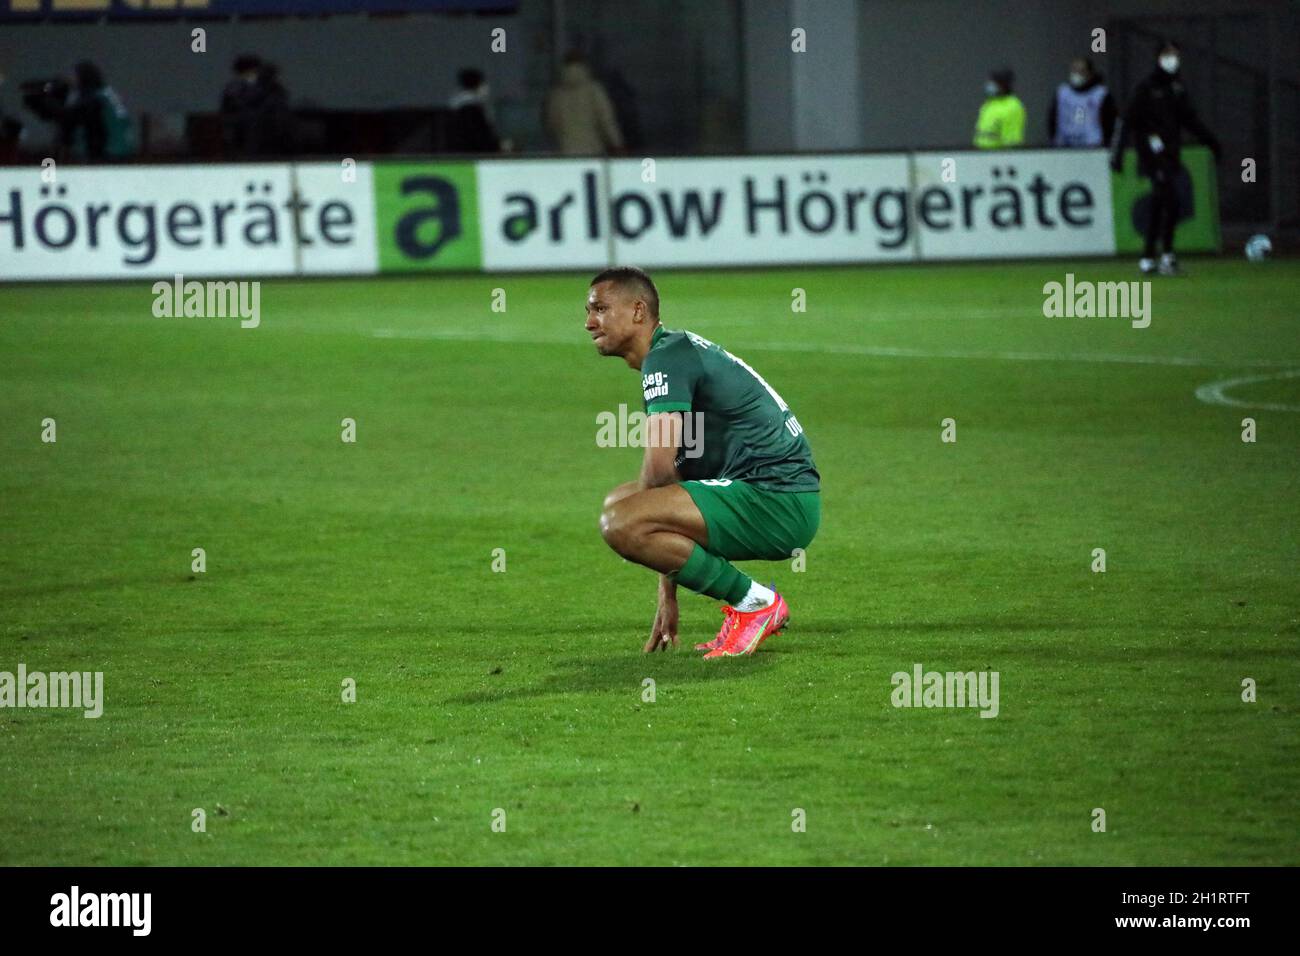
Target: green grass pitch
523, 690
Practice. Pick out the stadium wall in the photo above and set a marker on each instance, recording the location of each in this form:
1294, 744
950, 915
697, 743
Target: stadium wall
103, 222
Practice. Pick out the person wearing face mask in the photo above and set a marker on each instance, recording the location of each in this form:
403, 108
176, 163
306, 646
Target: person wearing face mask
1001, 121
1154, 124
1082, 113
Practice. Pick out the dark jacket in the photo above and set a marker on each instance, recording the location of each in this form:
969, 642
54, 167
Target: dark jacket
255, 117
1160, 107
470, 131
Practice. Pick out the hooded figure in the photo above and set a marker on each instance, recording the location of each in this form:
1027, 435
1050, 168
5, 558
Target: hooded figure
1154, 124
579, 115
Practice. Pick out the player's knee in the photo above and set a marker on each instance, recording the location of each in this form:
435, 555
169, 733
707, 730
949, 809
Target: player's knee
616, 528
619, 493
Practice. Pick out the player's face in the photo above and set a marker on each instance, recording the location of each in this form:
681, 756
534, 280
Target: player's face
611, 318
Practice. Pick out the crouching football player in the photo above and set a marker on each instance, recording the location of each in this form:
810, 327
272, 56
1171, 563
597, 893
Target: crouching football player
727, 474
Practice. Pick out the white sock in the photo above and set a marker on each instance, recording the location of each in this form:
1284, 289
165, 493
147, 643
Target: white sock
756, 597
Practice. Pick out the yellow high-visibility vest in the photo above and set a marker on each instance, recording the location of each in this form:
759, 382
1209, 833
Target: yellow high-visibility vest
1001, 123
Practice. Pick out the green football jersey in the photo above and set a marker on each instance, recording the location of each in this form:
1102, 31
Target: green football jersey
735, 425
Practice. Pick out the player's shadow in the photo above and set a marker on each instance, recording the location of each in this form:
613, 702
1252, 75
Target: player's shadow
623, 671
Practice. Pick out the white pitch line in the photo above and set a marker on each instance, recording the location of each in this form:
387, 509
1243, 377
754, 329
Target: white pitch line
873, 351
1215, 393
884, 351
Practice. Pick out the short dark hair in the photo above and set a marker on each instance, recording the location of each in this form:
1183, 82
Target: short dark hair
470, 78
1004, 77
630, 276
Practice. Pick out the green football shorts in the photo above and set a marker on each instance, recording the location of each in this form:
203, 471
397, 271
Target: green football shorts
747, 522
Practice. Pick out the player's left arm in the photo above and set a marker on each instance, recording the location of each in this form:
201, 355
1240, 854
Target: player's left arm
658, 468
668, 380
669, 384
663, 438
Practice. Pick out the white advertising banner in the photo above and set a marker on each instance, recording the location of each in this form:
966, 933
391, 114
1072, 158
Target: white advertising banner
738, 211
336, 221
159, 221
229, 221
1013, 204
543, 214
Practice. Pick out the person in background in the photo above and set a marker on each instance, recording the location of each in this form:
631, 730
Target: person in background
578, 114
93, 123
473, 126
623, 96
1001, 122
255, 118
1082, 113
1154, 124
11, 130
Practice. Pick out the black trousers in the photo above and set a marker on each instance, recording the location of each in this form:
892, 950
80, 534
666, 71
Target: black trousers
1164, 209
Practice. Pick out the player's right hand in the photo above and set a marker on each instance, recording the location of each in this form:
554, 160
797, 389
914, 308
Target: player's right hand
664, 630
